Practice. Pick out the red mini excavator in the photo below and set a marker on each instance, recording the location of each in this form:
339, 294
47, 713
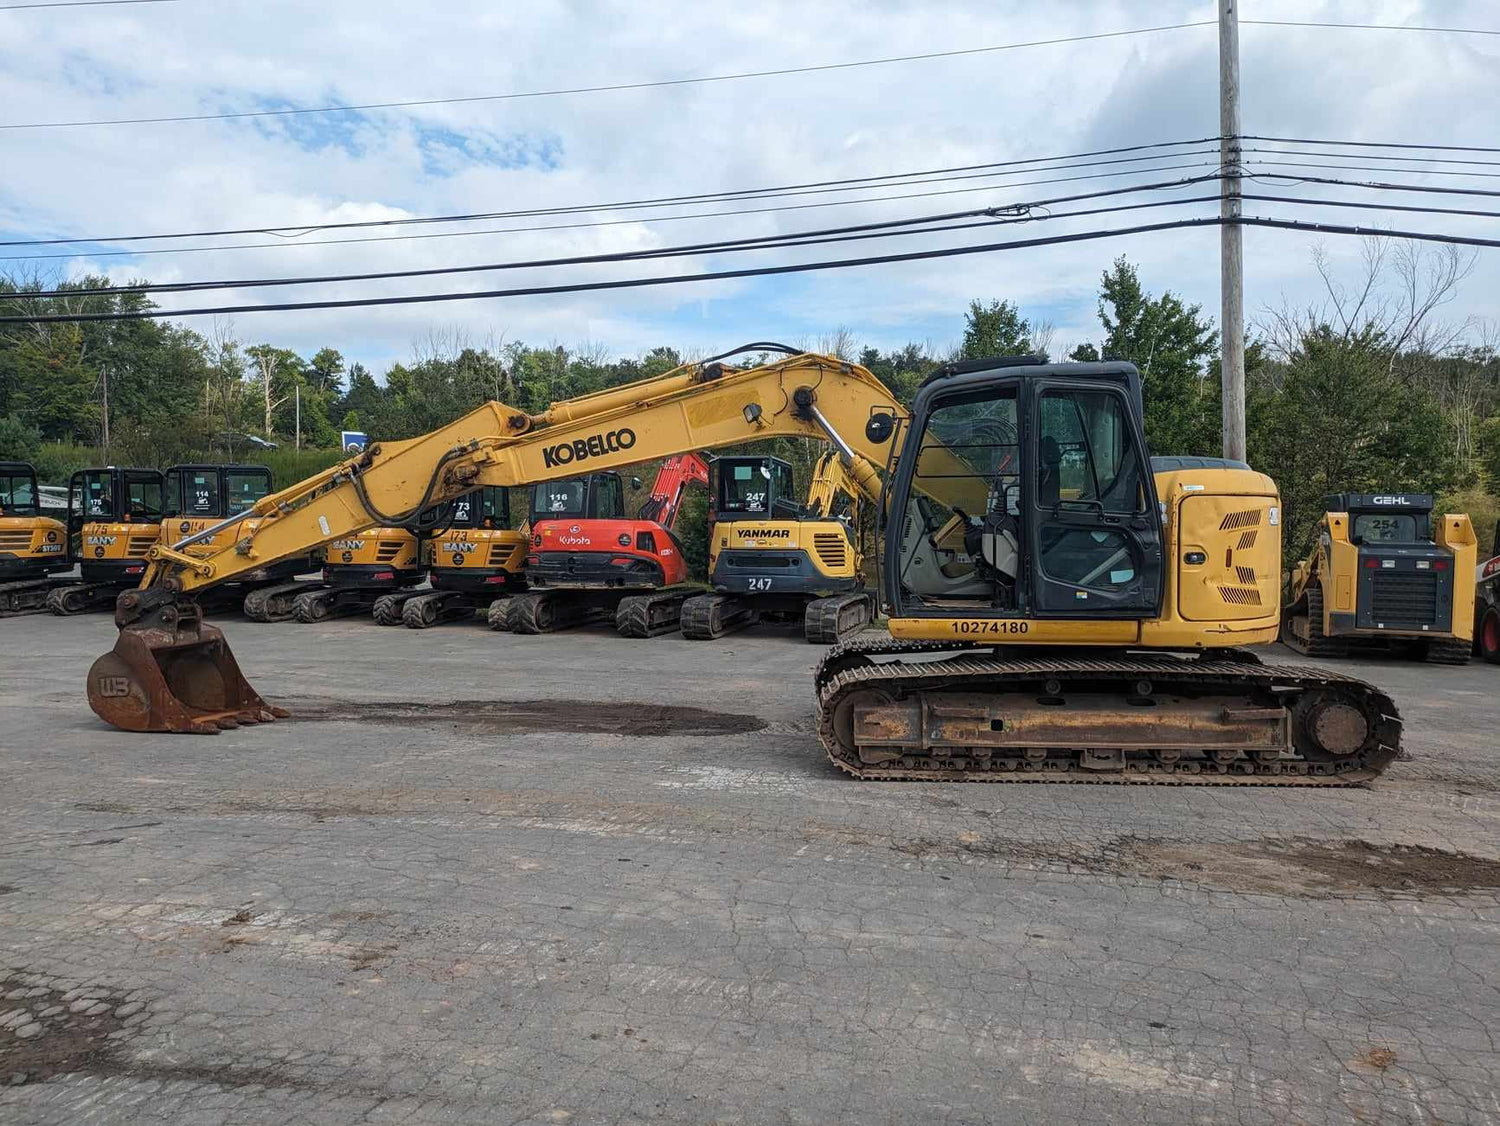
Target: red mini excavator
589, 562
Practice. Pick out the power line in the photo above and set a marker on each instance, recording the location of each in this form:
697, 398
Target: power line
805, 188
1369, 168
1409, 207
1371, 184
1375, 26
749, 272
1365, 144
874, 182
642, 219
624, 283
614, 88
919, 225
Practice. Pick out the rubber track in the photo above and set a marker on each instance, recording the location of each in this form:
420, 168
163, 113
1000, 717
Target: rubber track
80, 598
828, 619
649, 615
1449, 651
1317, 645
703, 618
495, 616
389, 610
1231, 675
276, 603
24, 596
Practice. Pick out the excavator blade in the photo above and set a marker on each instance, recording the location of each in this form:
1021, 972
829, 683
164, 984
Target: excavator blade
170, 671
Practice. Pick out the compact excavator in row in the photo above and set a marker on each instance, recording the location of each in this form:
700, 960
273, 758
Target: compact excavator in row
589, 562
1059, 609
33, 546
773, 558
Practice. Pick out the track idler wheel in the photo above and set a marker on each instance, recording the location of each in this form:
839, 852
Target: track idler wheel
1331, 728
169, 671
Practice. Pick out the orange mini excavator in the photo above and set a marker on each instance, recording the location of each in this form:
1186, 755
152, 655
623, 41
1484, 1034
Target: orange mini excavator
589, 562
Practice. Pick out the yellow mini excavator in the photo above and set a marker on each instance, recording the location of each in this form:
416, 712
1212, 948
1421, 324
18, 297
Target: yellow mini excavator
772, 558
1094, 632
32, 545
114, 518
200, 495
472, 561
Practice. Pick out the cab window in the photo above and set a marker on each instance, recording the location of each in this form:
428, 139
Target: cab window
18, 495
747, 487
1381, 527
609, 493
557, 498
143, 499
244, 488
200, 492
1085, 454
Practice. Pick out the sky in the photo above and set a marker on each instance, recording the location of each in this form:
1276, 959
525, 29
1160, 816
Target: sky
224, 56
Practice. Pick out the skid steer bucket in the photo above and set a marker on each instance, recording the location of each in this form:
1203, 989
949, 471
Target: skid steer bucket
169, 671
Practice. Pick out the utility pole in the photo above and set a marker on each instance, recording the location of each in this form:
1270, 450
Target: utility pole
297, 441
1231, 234
104, 434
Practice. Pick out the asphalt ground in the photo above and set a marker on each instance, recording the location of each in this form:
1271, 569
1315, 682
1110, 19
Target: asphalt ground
484, 878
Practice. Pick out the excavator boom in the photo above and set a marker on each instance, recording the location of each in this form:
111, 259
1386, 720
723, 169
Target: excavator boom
171, 672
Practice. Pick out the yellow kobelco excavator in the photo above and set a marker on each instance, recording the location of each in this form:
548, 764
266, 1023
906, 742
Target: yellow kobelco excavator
1093, 633
32, 546
773, 558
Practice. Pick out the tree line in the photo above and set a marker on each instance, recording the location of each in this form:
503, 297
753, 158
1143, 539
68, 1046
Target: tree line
1368, 389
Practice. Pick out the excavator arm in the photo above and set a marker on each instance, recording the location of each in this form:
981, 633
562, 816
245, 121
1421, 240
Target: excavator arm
672, 480
169, 671
834, 474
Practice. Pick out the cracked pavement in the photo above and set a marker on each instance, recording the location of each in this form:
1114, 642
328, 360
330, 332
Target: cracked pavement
399, 915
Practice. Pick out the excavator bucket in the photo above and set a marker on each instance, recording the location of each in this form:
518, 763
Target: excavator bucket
170, 671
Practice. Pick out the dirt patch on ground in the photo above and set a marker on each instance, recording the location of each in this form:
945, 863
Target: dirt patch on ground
962, 846
579, 717
1308, 869
46, 1031
1315, 869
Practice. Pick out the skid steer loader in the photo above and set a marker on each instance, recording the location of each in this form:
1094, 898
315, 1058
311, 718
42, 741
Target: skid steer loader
1384, 575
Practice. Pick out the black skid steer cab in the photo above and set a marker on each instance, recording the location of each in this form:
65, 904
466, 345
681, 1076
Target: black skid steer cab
1487, 604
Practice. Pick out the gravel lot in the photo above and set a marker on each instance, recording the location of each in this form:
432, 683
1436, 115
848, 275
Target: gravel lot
483, 878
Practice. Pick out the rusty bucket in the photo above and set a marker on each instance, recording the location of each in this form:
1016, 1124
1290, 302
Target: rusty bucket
170, 671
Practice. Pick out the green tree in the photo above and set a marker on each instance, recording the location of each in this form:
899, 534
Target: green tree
997, 329
325, 371
19, 441
1333, 416
1172, 346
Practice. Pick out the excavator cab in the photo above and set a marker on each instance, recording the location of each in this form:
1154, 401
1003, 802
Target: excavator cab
31, 545
198, 496
1029, 496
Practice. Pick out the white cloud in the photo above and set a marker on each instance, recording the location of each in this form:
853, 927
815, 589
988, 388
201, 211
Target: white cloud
548, 152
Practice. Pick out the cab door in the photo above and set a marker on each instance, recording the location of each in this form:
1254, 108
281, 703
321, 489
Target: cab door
1094, 527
